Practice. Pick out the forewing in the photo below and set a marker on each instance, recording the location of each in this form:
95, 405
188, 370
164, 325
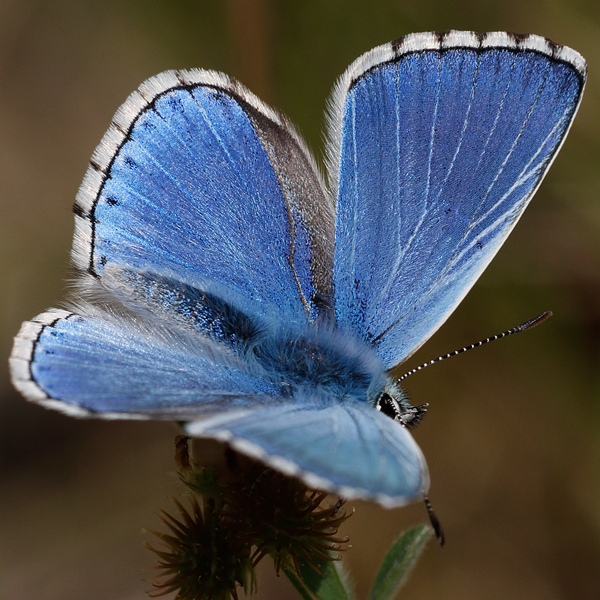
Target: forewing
437, 144
347, 448
197, 176
105, 367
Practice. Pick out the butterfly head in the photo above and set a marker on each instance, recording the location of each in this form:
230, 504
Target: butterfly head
393, 402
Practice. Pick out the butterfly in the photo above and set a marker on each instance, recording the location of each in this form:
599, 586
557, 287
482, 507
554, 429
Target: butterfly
223, 281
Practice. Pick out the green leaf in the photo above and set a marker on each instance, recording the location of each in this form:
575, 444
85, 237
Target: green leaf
399, 561
332, 585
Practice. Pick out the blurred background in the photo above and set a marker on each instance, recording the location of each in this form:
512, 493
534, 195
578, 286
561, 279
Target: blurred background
512, 437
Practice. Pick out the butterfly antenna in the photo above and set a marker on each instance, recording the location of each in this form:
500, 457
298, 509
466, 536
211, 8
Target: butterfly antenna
523, 327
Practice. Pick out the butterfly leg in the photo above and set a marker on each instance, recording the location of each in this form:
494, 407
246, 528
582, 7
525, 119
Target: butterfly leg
439, 534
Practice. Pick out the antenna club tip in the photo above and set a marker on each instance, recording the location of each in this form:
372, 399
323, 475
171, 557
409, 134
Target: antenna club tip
537, 320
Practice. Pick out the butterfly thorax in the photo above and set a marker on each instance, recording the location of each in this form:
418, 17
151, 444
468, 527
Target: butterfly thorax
336, 365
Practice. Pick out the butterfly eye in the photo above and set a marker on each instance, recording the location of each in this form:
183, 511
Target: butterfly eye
405, 414
389, 407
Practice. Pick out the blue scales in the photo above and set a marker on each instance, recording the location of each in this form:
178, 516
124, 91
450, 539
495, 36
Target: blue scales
224, 282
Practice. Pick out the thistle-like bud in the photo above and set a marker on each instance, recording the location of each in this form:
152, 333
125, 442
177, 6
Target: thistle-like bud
212, 548
202, 558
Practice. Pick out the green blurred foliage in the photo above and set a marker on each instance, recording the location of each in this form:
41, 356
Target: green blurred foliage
513, 433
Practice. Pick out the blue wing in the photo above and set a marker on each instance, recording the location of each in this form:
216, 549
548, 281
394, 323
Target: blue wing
437, 144
347, 448
198, 177
104, 366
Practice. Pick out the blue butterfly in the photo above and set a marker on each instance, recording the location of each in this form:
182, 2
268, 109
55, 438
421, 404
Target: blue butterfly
224, 282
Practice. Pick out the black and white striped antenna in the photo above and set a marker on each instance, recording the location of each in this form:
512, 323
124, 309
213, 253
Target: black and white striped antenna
524, 327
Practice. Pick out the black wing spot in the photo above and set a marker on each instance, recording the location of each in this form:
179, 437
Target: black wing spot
148, 125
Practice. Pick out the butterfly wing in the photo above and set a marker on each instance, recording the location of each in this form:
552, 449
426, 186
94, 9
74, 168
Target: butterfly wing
197, 177
437, 144
105, 366
347, 448
201, 210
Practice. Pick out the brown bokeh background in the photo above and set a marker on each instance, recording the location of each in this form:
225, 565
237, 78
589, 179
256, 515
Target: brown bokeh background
513, 433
